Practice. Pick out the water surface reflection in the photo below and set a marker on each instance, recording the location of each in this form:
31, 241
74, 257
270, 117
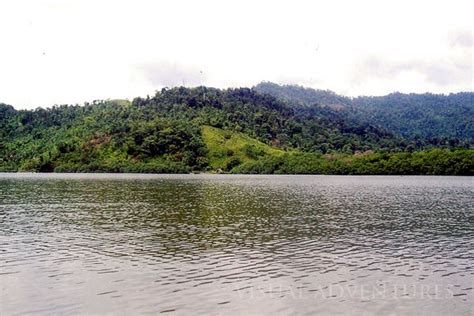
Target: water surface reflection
235, 244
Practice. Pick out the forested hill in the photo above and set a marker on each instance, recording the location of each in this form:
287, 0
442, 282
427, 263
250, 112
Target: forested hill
434, 118
206, 129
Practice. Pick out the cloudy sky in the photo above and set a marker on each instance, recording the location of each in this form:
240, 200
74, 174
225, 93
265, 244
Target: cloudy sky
56, 52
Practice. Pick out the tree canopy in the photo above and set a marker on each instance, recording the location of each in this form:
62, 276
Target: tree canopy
231, 130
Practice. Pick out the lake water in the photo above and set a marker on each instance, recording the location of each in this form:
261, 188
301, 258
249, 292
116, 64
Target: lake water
218, 244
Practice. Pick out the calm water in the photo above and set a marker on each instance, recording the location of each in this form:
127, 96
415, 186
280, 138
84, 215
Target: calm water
195, 244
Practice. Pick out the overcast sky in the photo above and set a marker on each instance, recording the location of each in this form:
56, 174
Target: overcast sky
56, 52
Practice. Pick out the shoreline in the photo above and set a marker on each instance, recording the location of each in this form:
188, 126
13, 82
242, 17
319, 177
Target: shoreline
226, 174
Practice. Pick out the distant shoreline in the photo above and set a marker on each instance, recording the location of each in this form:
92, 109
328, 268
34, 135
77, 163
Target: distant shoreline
225, 174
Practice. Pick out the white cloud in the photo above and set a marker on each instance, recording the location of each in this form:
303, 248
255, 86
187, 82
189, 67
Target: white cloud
169, 74
452, 72
81, 50
462, 38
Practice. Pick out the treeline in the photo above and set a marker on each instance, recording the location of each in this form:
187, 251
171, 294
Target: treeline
432, 162
164, 134
423, 119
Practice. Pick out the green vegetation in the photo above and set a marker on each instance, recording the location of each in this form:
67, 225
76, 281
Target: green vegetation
227, 149
432, 162
203, 129
423, 119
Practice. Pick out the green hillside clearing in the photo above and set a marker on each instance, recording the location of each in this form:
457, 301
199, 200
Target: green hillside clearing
227, 149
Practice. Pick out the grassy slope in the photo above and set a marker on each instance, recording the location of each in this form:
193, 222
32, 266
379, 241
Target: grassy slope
225, 146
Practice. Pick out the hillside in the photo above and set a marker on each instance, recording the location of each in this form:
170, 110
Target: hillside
439, 118
298, 96
228, 149
424, 119
210, 130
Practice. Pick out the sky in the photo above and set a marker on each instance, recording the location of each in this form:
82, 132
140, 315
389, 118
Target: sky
68, 52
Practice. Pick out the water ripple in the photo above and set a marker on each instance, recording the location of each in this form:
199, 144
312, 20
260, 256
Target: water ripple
235, 244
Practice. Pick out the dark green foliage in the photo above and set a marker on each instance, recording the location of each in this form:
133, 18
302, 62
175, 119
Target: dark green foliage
440, 119
423, 119
233, 162
433, 162
252, 151
163, 134
303, 97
